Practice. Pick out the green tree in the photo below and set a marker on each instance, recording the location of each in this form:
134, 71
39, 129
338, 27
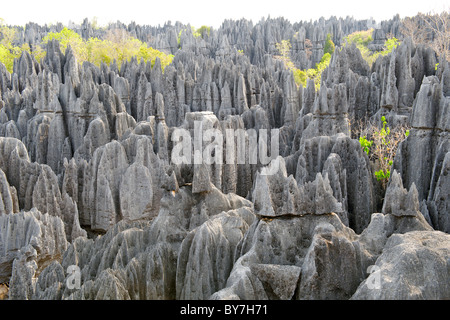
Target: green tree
67, 37
8, 52
329, 46
301, 76
118, 45
361, 39
203, 30
284, 48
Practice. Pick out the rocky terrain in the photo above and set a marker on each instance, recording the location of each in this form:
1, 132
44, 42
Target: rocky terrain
87, 181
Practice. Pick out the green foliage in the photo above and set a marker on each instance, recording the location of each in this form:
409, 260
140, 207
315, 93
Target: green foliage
329, 46
99, 51
67, 37
284, 48
315, 74
150, 54
118, 46
320, 67
195, 33
121, 47
301, 76
386, 162
390, 44
382, 175
37, 52
179, 38
361, 39
7, 58
8, 52
365, 144
201, 31
381, 147
7, 35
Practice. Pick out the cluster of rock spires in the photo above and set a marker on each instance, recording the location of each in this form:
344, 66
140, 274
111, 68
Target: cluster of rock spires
87, 180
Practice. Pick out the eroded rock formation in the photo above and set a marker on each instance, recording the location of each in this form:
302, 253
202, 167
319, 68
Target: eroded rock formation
88, 181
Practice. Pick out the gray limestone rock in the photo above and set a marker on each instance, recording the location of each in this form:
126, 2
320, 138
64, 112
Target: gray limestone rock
413, 266
30, 236
103, 187
9, 202
201, 181
313, 155
398, 201
333, 265
87, 178
276, 194
389, 94
284, 243
279, 281
440, 199
420, 157
209, 251
379, 37
24, 268
71, 219
182, 211
50, 282
136, 193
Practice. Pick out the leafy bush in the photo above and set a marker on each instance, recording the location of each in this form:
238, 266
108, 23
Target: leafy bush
381, 146
361, 39
204, 29
150, 54
365, 144
329, 46
389, 45
7, 57
117, 46
320, 67
284, 49
301, 76
67, 37
8, 52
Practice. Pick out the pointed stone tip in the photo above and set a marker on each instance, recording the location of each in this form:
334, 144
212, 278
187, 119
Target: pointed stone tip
171, 183
412, 200
201, 181
396, 180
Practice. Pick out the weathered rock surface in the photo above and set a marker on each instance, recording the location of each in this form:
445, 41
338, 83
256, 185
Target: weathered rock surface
429, 135
29, 238
209, 251
412, 266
